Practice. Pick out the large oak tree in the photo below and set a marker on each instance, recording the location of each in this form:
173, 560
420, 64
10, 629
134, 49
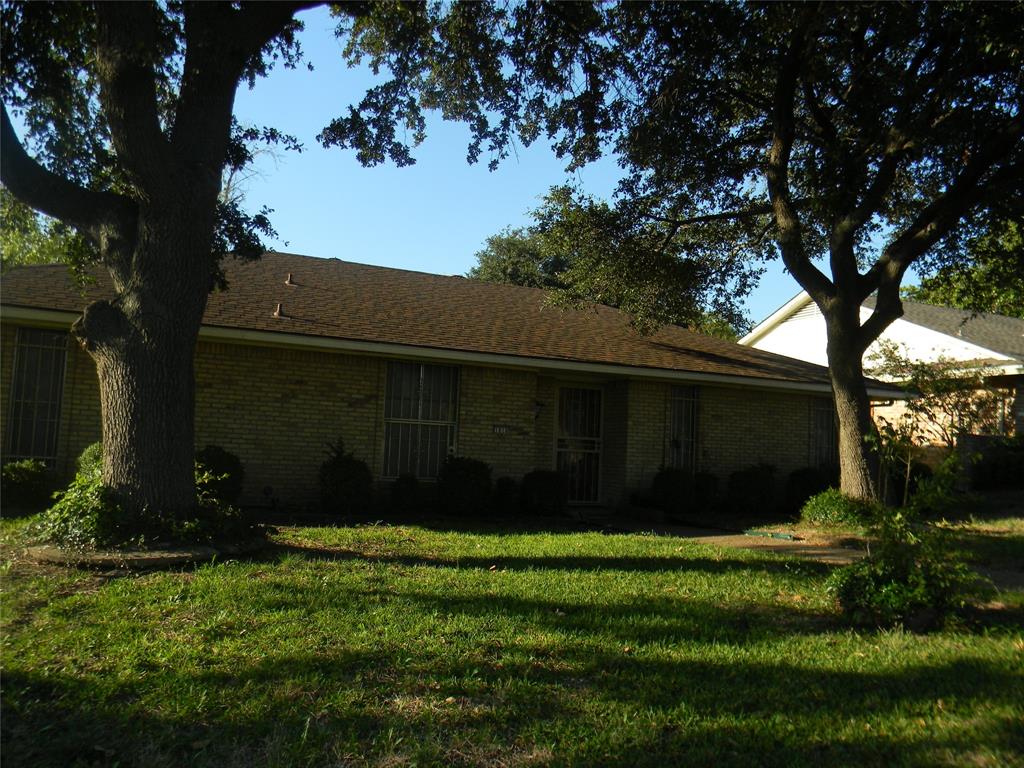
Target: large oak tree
850, 139
127, 111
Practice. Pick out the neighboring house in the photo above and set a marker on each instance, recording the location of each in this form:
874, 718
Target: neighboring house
409, 367
992, 345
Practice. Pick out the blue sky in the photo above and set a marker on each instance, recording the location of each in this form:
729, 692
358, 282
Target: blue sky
433, 216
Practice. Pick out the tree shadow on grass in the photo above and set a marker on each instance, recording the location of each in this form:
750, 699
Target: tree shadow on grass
556, 562
586, 708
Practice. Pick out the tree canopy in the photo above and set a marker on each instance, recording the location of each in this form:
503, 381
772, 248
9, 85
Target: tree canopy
991, 279
577, 248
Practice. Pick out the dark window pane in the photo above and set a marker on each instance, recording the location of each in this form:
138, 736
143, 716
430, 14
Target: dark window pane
37, 387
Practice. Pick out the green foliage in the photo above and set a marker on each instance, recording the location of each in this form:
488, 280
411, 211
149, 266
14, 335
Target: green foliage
832, 507
545, 493
87, 514
990, 280
464, 486
586, 252
225, 470
804, 483
751, 491
215, 520
28, 238
346, 483
910, 577
27, 485
90, 462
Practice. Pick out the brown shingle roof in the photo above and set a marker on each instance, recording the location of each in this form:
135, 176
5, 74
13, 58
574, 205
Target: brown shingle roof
343, 300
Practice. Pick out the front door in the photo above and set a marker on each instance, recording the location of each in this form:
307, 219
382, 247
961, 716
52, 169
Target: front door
579, 442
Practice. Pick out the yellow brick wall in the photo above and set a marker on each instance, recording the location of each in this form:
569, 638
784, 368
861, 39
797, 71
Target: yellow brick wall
278, 408
497, 421
742, 427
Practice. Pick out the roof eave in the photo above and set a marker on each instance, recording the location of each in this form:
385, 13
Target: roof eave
59, 318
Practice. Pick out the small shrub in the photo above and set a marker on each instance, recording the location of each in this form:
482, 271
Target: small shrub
26, 485
833, 507
751, 490
506, 495
911, 577
90, 461
88, 514
405, 494
705, 491
804, 483
935, 495
215, 520
545, 493
226, 473
346, 483
463, 486
673, 491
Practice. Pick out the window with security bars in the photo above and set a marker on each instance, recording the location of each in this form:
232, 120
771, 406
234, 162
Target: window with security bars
682, 428
421, 404
824, 437
37, 387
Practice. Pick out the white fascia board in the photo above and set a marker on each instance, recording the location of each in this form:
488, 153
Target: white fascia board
54, 318
777, 317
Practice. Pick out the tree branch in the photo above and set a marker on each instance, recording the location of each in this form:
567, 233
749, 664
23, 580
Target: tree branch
787, 221
91, 213
126, 41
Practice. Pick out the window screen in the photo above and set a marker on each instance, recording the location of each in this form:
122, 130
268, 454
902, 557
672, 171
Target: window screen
420, 412
824, 438
37, 386
682, 428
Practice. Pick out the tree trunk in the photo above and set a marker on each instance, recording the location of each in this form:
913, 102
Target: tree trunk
858, 461
143, 344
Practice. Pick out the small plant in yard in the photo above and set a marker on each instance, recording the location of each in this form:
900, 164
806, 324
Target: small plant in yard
463, 486
346, 483
910, 577
88, 515
833, 507
26, 484
90, 460
804, 483
228, 470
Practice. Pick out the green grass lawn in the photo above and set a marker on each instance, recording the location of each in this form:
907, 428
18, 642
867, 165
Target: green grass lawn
402, 646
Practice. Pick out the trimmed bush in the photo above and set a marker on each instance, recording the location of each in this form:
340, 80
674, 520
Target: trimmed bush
804, 483
406, 495
26, 485
346, 483
215, 520
226, 473
463, 486
672, 491
545, 493
90, 461
705, 491
751, 490
506, 495
911, 577
833, 507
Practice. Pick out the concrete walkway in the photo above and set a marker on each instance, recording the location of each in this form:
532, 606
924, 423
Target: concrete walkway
719, 538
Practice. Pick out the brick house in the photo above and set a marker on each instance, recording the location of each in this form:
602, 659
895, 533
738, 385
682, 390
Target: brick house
986, 344
408, 367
